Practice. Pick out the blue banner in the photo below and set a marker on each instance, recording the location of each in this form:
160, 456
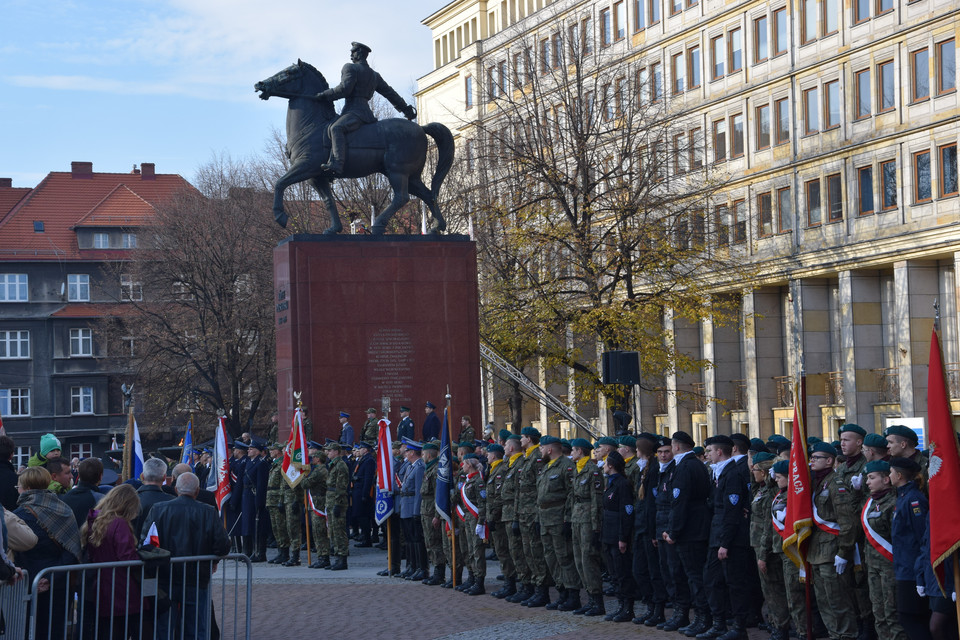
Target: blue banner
185, 457
384, 507
444, 472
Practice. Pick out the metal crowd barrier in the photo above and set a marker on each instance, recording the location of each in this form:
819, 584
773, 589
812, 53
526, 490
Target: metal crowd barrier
13, 608
189, 598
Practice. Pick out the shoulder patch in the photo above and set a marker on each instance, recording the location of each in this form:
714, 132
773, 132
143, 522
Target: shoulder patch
483, 493
676, 493
628, 509
734, 498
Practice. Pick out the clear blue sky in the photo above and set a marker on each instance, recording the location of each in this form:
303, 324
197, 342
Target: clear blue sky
171, 81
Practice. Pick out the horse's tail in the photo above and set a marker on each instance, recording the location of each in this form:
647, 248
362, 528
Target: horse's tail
444, 140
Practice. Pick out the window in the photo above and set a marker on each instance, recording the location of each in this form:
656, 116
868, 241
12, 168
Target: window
813, 203
831, 17
545, 63
81, 450
784, 209
763, 126
736, 50
719, 140
81, 342
835, 197
15, 403
638, 15
468, 92
760, 39
811, 109
656, 81
128, 240
736, 133
696, 148
888, 174
676, 6
619, 20
130, 290
831, 107
946, 67
469, 154
739, 221
921, 177
557, 55
883, 6
885, 80
128, 346
693, 66
78, 287
101, 241
862, 82
38, 226
81, 400
782, 114
13, 287
678, 152
781, 31
654, 11
22, 456
14, 344
717, 57
861, 11
765, 213
809, 27
606, 28
722, 217
676, 72
865, 187
920, 75
586, 34
948, 170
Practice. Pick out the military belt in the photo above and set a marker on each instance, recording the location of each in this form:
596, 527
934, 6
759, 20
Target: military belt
555, 503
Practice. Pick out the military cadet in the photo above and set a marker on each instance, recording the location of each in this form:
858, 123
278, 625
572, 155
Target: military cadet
278, 521
850, 473
513, 454
555, 505
364, 488
253, 518
652, 587
762, 539
604, 446
586, 517
346, 430
617, 535
902, 443
831, 545
410, 499
627, 448
431, 424
316, 483
371, 428
678, 592
528, 470
450, 530
875, 447
791, 584
464, 449
473, 501
393, 530
293, 513
466, 429
405, 428
877, 521
234, 510
430, 521
908, 531
495, 522
338, 483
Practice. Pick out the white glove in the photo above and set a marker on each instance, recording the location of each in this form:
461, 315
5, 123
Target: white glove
839, 564
781, 514
921, 591
857, 481
479, 530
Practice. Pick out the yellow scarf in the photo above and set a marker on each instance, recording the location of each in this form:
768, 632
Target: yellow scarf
551, 463
494, 465
627, 461
526, 454
581, 463
514, 457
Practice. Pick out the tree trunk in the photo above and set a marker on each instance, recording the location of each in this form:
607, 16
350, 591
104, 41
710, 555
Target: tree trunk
516, 407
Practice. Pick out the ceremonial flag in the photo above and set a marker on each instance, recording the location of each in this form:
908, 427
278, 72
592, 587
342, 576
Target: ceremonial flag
444, 475
384, 504
218, 481
799, 520
295, 452
185, 456
944, 465
153, 536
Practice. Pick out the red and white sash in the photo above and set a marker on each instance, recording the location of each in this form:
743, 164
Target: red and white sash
472, 508
825, 525
779, 525
317, 512
882, 546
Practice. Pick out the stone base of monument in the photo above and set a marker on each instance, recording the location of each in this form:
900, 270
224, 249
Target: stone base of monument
362, 318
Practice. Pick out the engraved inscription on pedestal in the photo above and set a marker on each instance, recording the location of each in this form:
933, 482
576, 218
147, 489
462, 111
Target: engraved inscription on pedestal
390, 363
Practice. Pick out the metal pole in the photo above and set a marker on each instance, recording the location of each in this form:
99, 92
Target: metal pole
453, 520
308, 513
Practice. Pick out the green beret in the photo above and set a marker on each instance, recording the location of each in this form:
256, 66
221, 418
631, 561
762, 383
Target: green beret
583, 443
494, 448
533, 432
332, 446
813, 440
431, 446
607, 440
470, 456
900, 462
628, 441
466, 445
853, 428
698, 451
505, 433
880, 466
875, 440
513, 436
756, 444
903, 432
777, 438
763, 456
824, 447
546, 440
781, 467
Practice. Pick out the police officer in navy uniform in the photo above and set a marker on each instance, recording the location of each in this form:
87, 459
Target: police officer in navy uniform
431, 424
238, 465
254, 519
406, 428
346, 430
364, 486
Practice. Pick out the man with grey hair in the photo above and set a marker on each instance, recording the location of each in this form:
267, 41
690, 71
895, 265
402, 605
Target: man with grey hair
153, 474
185, 527
203, 495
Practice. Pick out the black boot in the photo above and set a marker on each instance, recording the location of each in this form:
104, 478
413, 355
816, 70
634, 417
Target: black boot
524, 592
293, 560
681, 618
437, 577
737, 632
621, 603
589, 605
718, 629
477, 588
572, 603
466, 584
282, 556
340, 564
459, 575
508, 589
866, 630
656, 617
626, 614
780, 634
596, 606
701, 622
642, 617
561, 598
540, 598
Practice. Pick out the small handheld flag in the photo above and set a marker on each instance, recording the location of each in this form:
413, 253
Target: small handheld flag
153, 536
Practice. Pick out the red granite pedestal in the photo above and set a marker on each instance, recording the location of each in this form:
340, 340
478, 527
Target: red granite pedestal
360, 318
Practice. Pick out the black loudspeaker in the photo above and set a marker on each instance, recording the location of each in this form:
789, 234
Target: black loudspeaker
621, 367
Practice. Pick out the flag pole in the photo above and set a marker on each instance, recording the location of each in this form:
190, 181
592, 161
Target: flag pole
128, 445
453, 520
808, 583
385, 410
307, 511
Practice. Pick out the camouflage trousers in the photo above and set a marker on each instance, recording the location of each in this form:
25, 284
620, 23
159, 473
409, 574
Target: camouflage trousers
883, 595
774, 593
533, 549
515, 542
834, 593
863, 598
498, 537
448, 547
558, 556
337, 529
432, 538
476, 549
318, 531
294, 517
586, 557
794, 591
278, 523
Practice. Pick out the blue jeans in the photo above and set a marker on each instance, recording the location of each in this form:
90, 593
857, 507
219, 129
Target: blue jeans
189, 608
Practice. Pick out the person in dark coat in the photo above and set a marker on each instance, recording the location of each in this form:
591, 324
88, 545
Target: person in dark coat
431, 424
364, 479
8, 475
254, 520
617, 535
152, 477
406, 427
238, 465
86, 493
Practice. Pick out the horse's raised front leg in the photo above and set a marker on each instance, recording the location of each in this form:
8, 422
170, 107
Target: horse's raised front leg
322, 185
398, 182
297, 173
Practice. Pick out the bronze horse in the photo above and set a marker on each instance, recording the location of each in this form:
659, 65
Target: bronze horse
395, 147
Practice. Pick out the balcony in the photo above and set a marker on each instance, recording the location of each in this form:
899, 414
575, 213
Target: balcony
953, 379
739, 395
888, 385
700, 398
833, 388
784, 386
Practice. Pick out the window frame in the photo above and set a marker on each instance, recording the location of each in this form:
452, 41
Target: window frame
883, 185
128, 240
938, 67
765, 212
783, 103
656, 82
805, 37
96, 241
807, 110
941, 171
916, 177
878, 9
862, 95
828, 97
22, 399
738, 207
761, 42
130, 290
677, 61
639, 16
81, 342
825, 11
734, 34
780, 48
759, 122
619, 30
694, 75
18, 337
717, 146
858, 18
695, 136
733, 136
722, 230
16, 283
916, 75
77, 283
468, 92
606, 27
77, 396
713, 57
780, 217
881, 92
808, 199
834, 180
865, 177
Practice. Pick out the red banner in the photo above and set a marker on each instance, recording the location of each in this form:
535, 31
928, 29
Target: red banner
799, 520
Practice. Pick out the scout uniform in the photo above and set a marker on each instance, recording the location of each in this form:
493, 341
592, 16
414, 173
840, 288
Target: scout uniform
371, 428
473, 507
763, 539
495, 522
432, 536
793, 588
586, 515
338, 484
528, 470
508, 495
316, 483
852, 476
555, 501
278, 521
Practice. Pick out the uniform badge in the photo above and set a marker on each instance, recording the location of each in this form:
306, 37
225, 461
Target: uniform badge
676, 493
628, 509
584, 481
483, 493
654, 492
734, 498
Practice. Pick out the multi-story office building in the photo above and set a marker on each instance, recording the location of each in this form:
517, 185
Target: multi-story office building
835, 125
62, 247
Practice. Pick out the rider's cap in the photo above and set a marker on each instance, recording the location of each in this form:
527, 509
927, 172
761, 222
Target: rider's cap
361, 46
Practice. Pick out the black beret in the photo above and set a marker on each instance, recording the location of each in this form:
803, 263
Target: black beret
905, 463
719, 439
684, 437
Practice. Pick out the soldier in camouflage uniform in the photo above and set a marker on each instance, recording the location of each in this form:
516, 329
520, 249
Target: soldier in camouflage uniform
371, 428
429, 519
902, 442
316, 484
877, 521
459, 477
792, 587
338, 486
467, 433
513, 454
473, 497
762, 539
278, 520
293, 507
586, 516
498, 532
529, 468
850, 473
555, 504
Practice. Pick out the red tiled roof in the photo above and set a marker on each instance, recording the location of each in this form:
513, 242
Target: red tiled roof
91, 310
62, 200
10, 196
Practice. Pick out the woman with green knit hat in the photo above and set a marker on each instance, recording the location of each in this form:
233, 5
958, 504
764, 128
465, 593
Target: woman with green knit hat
49, 449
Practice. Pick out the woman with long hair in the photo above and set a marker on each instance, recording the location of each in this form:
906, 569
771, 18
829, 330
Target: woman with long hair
108, 536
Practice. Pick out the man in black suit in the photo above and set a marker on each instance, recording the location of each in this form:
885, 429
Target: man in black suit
150, 492
204, 496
